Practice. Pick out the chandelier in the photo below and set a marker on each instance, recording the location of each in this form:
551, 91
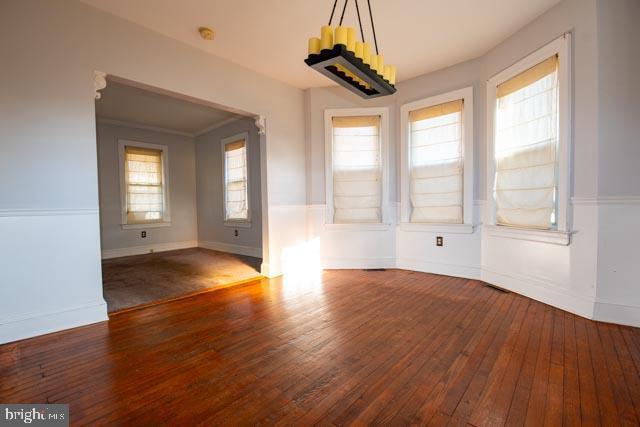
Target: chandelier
349, 62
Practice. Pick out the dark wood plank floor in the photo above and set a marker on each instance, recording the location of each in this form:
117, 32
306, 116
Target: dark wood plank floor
390, 348
142, 279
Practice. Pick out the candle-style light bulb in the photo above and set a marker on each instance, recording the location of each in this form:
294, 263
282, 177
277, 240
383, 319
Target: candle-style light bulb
366, 53
340, 36
358, 50
314, 46
351, 39
326, 37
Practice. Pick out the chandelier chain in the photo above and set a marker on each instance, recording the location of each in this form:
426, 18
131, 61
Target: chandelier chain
332, 11
373, 28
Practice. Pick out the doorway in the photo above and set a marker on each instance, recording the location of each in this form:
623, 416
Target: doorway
181, 195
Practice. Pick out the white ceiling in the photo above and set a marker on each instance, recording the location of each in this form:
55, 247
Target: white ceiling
270, 36
124, 103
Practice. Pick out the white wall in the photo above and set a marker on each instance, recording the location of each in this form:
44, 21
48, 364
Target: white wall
212, 232
182, 232
48, 173
618, 202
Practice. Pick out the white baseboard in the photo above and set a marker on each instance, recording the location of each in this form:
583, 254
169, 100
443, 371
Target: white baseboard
30, 326
230, 248
617, 313
539, 290
456, 270
340, 263
145, 249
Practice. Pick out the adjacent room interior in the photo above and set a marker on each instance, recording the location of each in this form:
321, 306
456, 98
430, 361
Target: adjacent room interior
320, 212
180, 202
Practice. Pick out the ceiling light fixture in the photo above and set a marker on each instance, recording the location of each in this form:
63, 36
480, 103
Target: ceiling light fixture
337, 55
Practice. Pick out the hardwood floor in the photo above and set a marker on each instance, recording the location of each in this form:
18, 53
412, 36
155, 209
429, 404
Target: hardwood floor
143, 279
390, 348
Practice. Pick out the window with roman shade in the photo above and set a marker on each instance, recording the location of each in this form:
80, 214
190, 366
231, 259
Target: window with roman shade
357, 169
436, 163
526, 147
144, 185
235, 181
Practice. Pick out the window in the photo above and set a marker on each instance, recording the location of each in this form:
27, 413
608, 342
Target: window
529, 163
356, 175
143, 183
236, 184
437, 159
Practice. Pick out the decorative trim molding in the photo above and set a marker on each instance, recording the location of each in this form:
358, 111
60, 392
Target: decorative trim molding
142, 226
456, 270
359, 227
261, 124
31, 325
217, 125
48, 212
146, 249
436, 228
231, 248
562, 238
624, 314
99, 83
606, 200
541, 290
134, 125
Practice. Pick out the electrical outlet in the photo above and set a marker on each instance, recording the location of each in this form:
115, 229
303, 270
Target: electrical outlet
235, 233
439, 241
143, 234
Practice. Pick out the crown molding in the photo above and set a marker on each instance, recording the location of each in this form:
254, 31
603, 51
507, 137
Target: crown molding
218, 125
106, 121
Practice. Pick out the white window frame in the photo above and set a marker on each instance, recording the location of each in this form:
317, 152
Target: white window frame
242, 223
561, 47
166, 211
329, 114
466, 94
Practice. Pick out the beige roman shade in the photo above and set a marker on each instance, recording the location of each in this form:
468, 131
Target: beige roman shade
357, 171
143, 175
436, 163
236, 188
528, 77
526, 144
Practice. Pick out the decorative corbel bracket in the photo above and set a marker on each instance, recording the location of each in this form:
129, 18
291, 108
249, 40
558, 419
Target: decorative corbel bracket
99, 82
260, 124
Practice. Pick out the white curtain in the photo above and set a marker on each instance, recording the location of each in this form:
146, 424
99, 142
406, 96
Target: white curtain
436, 163
143, 174
357, 172
525, 147
236, 194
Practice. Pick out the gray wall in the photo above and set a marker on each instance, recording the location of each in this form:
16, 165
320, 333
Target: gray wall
209, 165
619, 97
182, 185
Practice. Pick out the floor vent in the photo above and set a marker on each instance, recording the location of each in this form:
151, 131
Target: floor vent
497, 288
374, 269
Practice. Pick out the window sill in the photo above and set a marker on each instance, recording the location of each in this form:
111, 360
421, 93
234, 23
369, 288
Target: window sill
437, 228
237, 224
358, 227
143, 225
562, 238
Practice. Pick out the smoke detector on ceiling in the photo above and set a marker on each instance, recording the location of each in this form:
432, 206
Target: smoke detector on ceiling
206, 33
